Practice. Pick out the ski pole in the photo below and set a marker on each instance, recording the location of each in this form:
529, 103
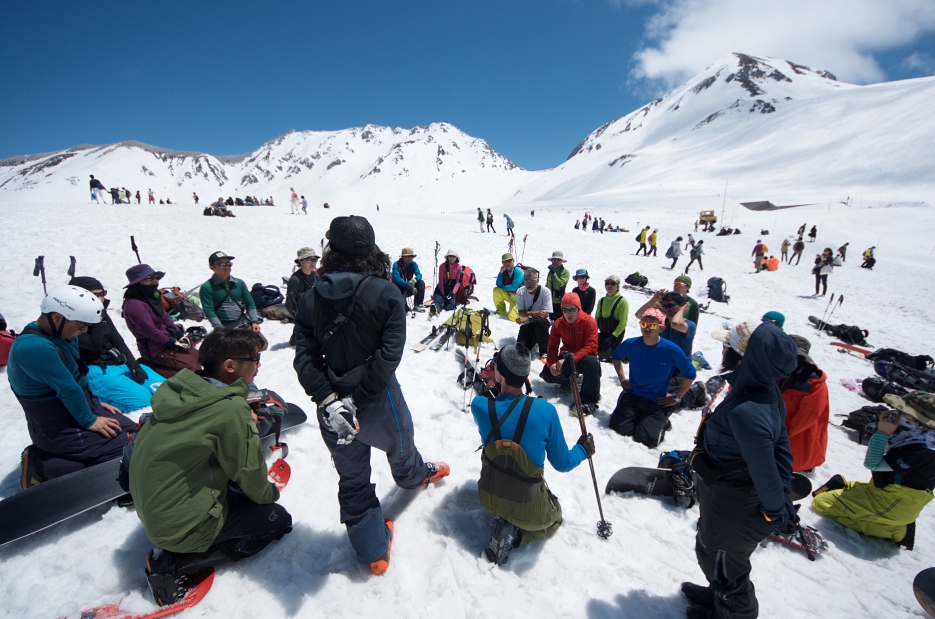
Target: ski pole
71, 268
136, 250
836, 306
821, 325
604, 528
524, 248
40, 269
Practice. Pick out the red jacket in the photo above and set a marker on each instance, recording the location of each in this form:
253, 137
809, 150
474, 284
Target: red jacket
6, 340
579, 337
807, 417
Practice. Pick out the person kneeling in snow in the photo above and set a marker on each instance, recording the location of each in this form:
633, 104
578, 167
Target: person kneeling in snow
576, 332
901, 455
197, 475
518, 433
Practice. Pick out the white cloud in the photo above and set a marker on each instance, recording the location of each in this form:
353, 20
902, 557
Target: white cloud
919, 62
836, 35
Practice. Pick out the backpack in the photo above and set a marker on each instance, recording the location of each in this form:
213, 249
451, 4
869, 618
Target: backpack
638, 235
279, 311
875, 388
468, 281
849, 334
471, 326
717, 289
635, 279
179, 306
669, 252
864, 420
918, 362
264, 296
208, 212
907, 377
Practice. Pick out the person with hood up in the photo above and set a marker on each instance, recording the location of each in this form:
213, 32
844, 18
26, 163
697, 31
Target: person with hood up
575, 332
197, 476
743, 468
674, 251
350, 338
162, 343
114, 374
449, 283
509, 280
805, 394
509, 225
901, 456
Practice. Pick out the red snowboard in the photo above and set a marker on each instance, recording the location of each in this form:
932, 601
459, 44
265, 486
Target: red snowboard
194, 595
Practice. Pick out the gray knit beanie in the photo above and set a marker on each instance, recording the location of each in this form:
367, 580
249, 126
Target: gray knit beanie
513, 364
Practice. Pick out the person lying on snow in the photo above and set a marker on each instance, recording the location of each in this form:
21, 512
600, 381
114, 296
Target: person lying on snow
901, 455
114, 375
518, 433
69, 427
807, 409
197, 476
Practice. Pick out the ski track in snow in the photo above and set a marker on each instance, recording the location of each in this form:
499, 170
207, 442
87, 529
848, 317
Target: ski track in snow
437, 568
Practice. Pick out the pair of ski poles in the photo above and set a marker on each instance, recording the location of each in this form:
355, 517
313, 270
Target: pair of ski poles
39, 269
832, 306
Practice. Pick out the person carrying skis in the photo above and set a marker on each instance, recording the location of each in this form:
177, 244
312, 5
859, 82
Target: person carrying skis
408, 278
674, 251
652, 243
824, 266
96, 188
346, 361
490, 222
114, 375
586, 293
805, 395
743, 466
612, 313
759, 250
480, 218
197, 474
683, 285
575, 332
784, 248
556, 281
813, 233
69, 427
509, 226
519, 432
641, 239
644, 405
449, 283
901, 457
226, 300
534, 305
509, 279
696, 253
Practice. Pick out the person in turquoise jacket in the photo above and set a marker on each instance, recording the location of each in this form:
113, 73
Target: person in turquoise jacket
509, 280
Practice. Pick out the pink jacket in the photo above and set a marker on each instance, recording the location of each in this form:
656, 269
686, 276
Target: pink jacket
447, 272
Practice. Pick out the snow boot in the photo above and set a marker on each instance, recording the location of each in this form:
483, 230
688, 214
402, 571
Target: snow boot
835, 483
503, 538
28, 460
698, 595
697, 611
909, 541
163, 584
435, 471
379, 567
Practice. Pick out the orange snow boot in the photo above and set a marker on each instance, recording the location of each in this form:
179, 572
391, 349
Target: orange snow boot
382, 564
435, 471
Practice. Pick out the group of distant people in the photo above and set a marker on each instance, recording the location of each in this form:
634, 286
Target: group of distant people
119, 195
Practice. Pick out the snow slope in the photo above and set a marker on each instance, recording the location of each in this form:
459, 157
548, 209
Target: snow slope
777, 130
437, 567
435, 166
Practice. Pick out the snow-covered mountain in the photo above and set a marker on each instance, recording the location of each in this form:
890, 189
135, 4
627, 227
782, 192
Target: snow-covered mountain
773, 127
371, 164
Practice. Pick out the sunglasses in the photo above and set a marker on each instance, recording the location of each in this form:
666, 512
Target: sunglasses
148, 278
652, 326
610, 284
670, 306
224, 264
569, 310
310, 260
770, 321
253, 359
100, 294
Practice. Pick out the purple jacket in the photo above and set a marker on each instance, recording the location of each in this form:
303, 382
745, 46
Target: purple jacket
153, 333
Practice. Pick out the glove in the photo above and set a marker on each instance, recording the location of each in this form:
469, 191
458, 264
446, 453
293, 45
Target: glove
785, 523
588, 443
138, 374
181, 344
342, 420
410, 289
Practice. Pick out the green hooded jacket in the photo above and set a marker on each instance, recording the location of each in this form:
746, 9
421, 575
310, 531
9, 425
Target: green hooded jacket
200, 437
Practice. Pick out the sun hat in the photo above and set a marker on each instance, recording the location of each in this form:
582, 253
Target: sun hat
919, 405
305, 252
737, 337
139, 272
557, 255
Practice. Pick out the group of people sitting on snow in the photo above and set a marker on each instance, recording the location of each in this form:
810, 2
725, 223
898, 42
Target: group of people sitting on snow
764, 415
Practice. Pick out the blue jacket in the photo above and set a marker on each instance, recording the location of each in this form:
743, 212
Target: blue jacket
750, 423
542, 436
513, 286
400, 273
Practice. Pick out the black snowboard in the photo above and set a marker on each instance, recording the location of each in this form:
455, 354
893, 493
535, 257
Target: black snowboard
40, 507
655, 482
924, 588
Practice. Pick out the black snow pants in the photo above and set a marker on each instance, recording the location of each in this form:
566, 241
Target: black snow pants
641, 418
590, 370
535, 332
729, 529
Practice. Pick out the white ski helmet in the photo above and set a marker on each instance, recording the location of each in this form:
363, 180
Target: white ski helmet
73, 303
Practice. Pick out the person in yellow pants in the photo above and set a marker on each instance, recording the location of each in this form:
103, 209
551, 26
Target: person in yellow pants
509, 280
901, 455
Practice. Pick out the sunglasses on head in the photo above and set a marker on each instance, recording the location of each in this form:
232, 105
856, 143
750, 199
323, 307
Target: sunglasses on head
254, 359
652, 326
224, 264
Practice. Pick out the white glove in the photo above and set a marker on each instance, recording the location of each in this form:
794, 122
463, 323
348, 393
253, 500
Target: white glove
342, 419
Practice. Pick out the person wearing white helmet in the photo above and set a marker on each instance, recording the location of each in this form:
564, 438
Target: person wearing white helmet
69, 427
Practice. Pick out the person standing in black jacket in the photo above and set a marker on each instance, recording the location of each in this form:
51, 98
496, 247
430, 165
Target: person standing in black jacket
744, 474
350, 337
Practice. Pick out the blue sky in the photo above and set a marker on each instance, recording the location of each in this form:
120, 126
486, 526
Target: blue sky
533, 78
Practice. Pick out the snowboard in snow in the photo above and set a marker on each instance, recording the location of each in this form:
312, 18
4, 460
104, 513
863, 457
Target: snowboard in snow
924, 588
655, 482
40, 507
195, 594
857, 349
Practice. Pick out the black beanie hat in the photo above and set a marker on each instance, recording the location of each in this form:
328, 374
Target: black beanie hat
351, 236
513, 364
88, 283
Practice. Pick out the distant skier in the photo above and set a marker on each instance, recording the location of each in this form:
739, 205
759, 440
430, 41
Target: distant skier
96, 188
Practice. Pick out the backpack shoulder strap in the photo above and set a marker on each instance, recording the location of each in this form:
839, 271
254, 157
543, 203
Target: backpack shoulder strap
536, 296
342, 319
495, 424
613, 310
34, 331
521, 425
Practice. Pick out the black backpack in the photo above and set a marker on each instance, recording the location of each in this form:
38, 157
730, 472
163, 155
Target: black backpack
208, 212
849, 334
917, 362
864, 420
717, 290
907, 377
264, 296
875, 388
635, 279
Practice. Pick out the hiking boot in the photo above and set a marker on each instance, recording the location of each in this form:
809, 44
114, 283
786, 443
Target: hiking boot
379, 567
165, 587
28, 460
668, 425
697, 611
435, 471
419, 308
698, 595
503, 537
433, 310
909, 541
835, 483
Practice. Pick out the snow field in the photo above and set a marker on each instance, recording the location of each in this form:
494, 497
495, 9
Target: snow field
437, 567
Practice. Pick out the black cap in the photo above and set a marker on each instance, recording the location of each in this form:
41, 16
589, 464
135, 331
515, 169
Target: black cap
352, 236
88, 283
216, 256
